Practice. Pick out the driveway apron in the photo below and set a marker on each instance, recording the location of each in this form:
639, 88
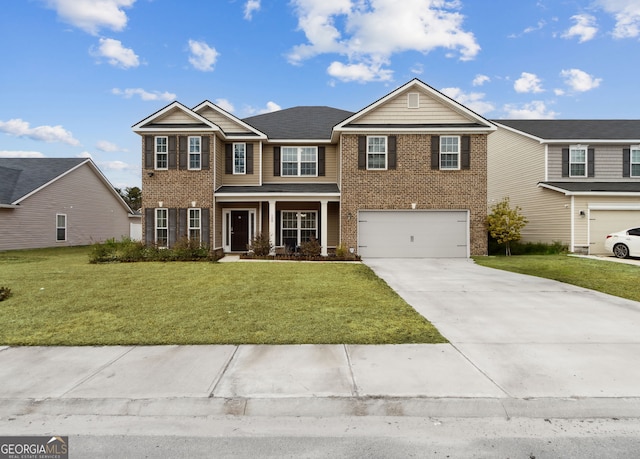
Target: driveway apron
532, 337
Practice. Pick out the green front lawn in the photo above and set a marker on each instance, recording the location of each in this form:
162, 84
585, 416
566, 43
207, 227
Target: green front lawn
58, 298
617, 279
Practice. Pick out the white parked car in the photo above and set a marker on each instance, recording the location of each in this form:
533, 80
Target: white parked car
624, 244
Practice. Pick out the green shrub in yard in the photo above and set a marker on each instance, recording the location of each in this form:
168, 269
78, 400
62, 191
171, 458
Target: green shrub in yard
5, 292
528, 248
310, 248
261, 245
127, 251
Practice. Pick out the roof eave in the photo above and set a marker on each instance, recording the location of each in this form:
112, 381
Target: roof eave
590, 193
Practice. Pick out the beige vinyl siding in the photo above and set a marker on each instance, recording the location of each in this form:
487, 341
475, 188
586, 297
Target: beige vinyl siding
331, 166
396, 110
516, 165
93, 213
242, 179
175, 116
226, 124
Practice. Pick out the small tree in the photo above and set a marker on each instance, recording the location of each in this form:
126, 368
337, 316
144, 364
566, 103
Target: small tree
504, 224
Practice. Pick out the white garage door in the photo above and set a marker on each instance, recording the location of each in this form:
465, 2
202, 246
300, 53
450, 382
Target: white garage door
603, 222
413, 234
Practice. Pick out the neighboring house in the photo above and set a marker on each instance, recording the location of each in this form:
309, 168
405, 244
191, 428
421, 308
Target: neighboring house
576, 180
48, 202
406, 176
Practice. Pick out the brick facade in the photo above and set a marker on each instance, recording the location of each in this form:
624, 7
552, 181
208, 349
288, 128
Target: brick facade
413, 181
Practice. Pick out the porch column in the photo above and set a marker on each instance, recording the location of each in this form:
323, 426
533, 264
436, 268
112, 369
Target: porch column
324, 225
272, 224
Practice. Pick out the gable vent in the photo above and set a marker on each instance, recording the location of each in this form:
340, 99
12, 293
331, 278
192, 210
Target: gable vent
413, 100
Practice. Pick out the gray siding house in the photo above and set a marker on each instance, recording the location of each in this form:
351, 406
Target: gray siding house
576, 180
49, 202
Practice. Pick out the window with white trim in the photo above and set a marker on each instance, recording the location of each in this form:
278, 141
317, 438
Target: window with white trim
195, 225
376, 152
577, 161
61, 227
635, 161
450, 152
413, 100
239, 158
162, 227
298, 227
299, 161
195, 153
161, 153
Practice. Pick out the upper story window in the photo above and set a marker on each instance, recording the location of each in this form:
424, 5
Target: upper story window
161, 153
450, 152
239, 158
194, 225
577, 161
376, 152
299, 161
195, 153
635, 161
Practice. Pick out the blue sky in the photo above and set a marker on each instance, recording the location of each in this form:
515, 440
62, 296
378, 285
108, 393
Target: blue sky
77, 74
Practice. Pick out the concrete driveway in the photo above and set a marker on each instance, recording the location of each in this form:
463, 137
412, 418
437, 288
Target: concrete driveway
532, 337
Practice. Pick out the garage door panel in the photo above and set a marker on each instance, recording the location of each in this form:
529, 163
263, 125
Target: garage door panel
413, 234
603, 222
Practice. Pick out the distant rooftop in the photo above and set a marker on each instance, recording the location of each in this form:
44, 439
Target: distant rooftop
577, 129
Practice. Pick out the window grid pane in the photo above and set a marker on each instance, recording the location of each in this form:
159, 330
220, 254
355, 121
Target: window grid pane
161, 153
449, 152
194, 152
239, 158
635, 163
161, 228
578, 162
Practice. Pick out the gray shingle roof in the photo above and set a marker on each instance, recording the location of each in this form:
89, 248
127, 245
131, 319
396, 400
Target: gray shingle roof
21, 176
577, 129
582, 187
299, 122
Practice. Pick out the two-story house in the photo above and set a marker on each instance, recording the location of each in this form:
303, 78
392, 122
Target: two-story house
406, 176
575, 180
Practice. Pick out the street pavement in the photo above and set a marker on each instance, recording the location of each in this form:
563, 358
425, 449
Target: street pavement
519, 346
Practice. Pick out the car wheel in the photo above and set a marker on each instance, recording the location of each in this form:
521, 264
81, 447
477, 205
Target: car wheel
621, 251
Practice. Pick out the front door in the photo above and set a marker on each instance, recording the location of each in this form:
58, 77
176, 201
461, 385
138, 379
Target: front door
239, 230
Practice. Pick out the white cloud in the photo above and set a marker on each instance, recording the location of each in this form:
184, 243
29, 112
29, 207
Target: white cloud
362, 32
417, 69
20, 154
225, 105
144, 95
116, 54
528, 82
359, 72
473, 100
109, 147
584, 28
579, 80
84, 154
532, 110
117, 166
250, 7
627, 15
19, 128
203, 57
92, 15
479, 80
270, 107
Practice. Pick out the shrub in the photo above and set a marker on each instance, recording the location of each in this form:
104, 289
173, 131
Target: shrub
5, 292
342, 251
261, 245
128, 250
310, 248
189, 250
528, 248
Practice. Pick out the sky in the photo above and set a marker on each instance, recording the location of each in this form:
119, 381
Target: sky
77, 74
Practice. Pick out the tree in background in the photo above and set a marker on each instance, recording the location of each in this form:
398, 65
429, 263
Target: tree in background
504, 223
132, 196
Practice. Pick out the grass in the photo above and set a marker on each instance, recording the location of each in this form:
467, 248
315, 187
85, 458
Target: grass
617, 279
58, 298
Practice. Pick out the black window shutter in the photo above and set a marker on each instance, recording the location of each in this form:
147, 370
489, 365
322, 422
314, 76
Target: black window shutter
321, 160
228, 158
205, 227
249, 158
626, 162
362, 152
182, 152
392, 156
148, 151
149, 225
278, 226
565, 162
435, 152
173, 158
591, 162
206, 155
173, 223
465, 152
276, 161
182, 223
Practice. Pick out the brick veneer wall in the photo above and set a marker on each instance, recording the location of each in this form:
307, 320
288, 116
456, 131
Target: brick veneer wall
177, 188
413, 181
